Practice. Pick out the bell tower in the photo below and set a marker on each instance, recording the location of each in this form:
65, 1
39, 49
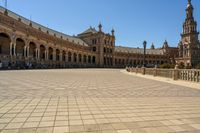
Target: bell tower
189, 46
190, 34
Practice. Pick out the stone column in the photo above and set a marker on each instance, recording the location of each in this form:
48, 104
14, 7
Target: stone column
11, 46
66, 56
46, 53
54, 54
38, 53
72, 57
28, 51
61, 59
87, 59
82, 60
14, 45
25, 51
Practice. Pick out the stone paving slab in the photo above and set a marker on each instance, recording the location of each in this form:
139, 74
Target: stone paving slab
94, 100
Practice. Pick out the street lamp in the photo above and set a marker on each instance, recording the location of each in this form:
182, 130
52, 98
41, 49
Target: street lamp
145, 46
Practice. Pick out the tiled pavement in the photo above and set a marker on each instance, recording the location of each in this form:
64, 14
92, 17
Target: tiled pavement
96, 101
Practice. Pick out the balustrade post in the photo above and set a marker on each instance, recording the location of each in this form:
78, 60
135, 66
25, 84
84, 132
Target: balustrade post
143, 70
155, 71
175, 73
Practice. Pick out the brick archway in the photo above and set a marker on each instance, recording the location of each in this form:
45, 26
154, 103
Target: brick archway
4, 44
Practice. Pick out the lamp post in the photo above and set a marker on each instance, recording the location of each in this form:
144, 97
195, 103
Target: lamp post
144, 56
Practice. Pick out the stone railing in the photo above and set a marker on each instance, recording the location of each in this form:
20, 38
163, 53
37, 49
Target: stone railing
192, 75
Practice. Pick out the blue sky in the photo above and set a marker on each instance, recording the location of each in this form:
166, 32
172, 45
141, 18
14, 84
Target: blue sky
133, 20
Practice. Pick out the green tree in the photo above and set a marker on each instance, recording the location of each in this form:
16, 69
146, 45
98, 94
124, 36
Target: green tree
181, 65
167, 66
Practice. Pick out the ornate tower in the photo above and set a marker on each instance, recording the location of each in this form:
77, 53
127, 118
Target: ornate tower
189, 45
190, 34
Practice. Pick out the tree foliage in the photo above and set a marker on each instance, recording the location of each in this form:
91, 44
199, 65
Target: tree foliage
167, 66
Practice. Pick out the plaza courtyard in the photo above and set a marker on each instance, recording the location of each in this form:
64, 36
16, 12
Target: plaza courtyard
96, 101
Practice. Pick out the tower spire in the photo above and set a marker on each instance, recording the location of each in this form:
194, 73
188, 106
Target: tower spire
100, 27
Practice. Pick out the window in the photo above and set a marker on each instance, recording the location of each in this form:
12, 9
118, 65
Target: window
94, 41
93, 59
94, 49
104, 50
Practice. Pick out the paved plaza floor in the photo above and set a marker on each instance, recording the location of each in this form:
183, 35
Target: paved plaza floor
96, 101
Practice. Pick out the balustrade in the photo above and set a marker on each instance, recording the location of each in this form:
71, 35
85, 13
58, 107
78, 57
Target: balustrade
192, 75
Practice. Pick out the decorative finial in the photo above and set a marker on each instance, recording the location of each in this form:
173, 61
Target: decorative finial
100, 27
113, 32
189, 4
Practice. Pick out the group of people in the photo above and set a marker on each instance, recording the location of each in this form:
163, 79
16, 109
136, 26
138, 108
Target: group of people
15, 65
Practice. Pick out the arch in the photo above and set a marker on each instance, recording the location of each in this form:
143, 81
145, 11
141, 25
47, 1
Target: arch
116, 61
20, 44
75, 57
89, 59
79, 58
84, 58
93, 59
50, 53
4, 44
69, 56
32, 50
57, 54
42, 52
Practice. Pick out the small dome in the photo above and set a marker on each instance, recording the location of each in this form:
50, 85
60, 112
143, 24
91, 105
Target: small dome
152, 46
165, 45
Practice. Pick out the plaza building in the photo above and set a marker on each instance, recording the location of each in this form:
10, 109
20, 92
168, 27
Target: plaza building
24, 43
189, 46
